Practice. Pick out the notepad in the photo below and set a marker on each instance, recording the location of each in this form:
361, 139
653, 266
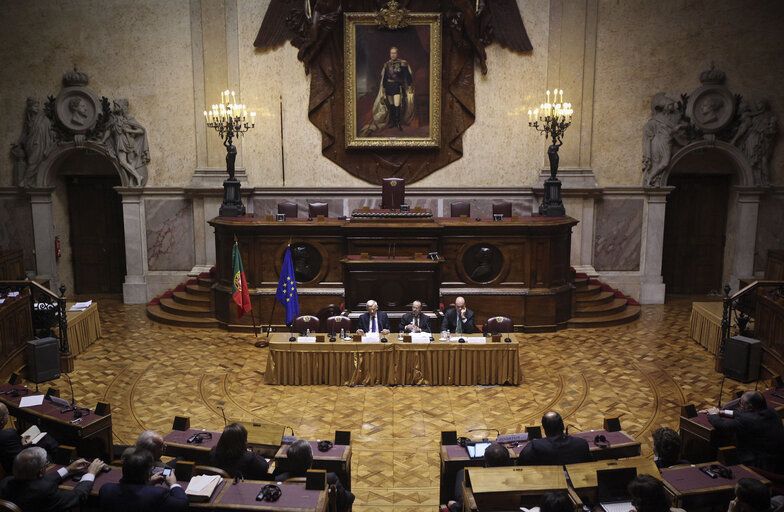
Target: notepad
31, 401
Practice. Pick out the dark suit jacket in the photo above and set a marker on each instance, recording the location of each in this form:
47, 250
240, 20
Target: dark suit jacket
43, 495
424, 322
249, 465
382, 321
759, 436
450, 321
556, 450
10, 446
140, 498
345, 498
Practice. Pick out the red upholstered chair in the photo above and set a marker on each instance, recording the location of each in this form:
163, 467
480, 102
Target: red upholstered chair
337, 322
289, 208
459, 208
499, 325
304, 322
316, 209
503, 207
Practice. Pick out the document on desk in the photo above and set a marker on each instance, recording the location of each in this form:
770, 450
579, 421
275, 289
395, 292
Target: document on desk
420, 337
306, 339
31, 401
475, 339
81, 306
371, 338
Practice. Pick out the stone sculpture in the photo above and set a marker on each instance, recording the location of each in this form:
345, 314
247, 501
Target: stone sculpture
129, 142
755, 137
661, 133
33, 145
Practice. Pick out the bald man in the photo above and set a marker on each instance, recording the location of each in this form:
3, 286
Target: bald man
459, 319
556, 448
757, 430
416, 321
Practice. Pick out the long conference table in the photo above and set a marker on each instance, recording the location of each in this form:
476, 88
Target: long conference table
349, 363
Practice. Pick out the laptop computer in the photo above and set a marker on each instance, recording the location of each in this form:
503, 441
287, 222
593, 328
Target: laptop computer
613, 489
477, 450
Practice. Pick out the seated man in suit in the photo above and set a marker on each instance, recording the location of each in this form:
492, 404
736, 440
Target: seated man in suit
153, 442
757, 429
416, 321
556, 448
496, 456
465, 325
751, 495
138, 489
373, 321
667, 448
300, 459
11, 443
32, 489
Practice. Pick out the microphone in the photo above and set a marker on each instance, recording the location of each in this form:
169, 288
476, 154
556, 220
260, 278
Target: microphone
68, 378
721, 389
570, 425
72, 406
225, 421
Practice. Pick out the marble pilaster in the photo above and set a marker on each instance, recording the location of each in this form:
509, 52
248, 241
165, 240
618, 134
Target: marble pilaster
652, 287
43, 235
745, 234
135, 286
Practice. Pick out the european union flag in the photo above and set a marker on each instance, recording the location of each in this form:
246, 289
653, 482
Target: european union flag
287, 288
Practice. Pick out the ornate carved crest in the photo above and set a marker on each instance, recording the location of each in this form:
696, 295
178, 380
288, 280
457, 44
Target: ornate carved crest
392, 16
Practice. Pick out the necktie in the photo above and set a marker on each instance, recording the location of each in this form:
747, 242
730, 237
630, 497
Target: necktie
459, 326
416, 321
373, 324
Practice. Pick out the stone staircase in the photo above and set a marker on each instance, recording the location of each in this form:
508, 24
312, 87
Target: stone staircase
187, 305
599, 305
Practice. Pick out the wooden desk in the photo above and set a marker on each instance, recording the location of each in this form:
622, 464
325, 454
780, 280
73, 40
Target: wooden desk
177, 445
508, 488
454, 457
336, 460
583, 476
693, 490
348, 363
91, 435
529, 280
16, 326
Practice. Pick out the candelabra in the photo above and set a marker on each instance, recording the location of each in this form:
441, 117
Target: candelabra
552, 119
230, 120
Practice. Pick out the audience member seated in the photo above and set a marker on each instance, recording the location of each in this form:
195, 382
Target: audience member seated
555, 502
374, 320
757, 429
11, 443
232, 455
751, 495
667, 448
556, 448
32, 490
300, 458
466, 316
648, 495
495, 456
153, 442
137, 490
416, 321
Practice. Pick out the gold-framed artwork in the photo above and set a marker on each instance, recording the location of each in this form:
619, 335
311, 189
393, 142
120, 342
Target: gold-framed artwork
392, 75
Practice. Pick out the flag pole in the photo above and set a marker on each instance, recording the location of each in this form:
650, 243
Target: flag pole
262, 342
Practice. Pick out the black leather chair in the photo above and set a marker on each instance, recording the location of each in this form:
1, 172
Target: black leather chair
459, 208
502, 207
290, 209
316, 209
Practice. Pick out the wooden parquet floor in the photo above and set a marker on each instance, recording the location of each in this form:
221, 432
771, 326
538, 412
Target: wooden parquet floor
641, 371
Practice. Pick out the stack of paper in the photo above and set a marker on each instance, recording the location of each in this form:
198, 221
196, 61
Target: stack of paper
201, 487
81, 306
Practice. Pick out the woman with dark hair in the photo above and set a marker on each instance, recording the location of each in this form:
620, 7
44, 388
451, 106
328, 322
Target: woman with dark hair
556, 502
232, 455
648, 495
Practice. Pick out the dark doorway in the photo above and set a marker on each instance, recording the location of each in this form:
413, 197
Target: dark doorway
694, 233
97, 235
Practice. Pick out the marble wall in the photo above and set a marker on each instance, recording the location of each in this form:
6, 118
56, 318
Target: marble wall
618, 236
770, 228
169, 234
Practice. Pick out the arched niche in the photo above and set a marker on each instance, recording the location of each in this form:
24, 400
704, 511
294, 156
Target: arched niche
48, 169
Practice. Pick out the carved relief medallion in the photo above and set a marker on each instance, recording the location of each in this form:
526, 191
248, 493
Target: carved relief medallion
77, 108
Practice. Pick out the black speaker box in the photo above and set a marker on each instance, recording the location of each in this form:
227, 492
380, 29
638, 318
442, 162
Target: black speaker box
742, 357
43, 359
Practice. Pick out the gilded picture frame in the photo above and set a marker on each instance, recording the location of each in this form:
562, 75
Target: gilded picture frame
392, 79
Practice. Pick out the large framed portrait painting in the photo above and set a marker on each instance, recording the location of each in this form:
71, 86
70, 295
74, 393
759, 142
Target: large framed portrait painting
392, 81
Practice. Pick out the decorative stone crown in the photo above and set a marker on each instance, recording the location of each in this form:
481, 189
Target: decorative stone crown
75, 78
712, 75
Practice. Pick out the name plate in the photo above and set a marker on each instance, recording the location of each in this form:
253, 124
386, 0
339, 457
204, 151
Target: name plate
420, 337
306, 339
475, 339
371, 338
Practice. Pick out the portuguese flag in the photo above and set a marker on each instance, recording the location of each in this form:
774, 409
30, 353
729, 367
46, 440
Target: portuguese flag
239, 286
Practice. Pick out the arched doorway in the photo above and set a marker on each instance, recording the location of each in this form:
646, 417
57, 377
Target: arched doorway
698, 212
95, 221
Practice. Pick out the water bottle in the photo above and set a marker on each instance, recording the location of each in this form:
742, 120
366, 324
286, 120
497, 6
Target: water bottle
448, 337
307, 332
400, 335
342, 333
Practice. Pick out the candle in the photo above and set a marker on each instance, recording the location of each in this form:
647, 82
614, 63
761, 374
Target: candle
530, 115
561, 91
548, 96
